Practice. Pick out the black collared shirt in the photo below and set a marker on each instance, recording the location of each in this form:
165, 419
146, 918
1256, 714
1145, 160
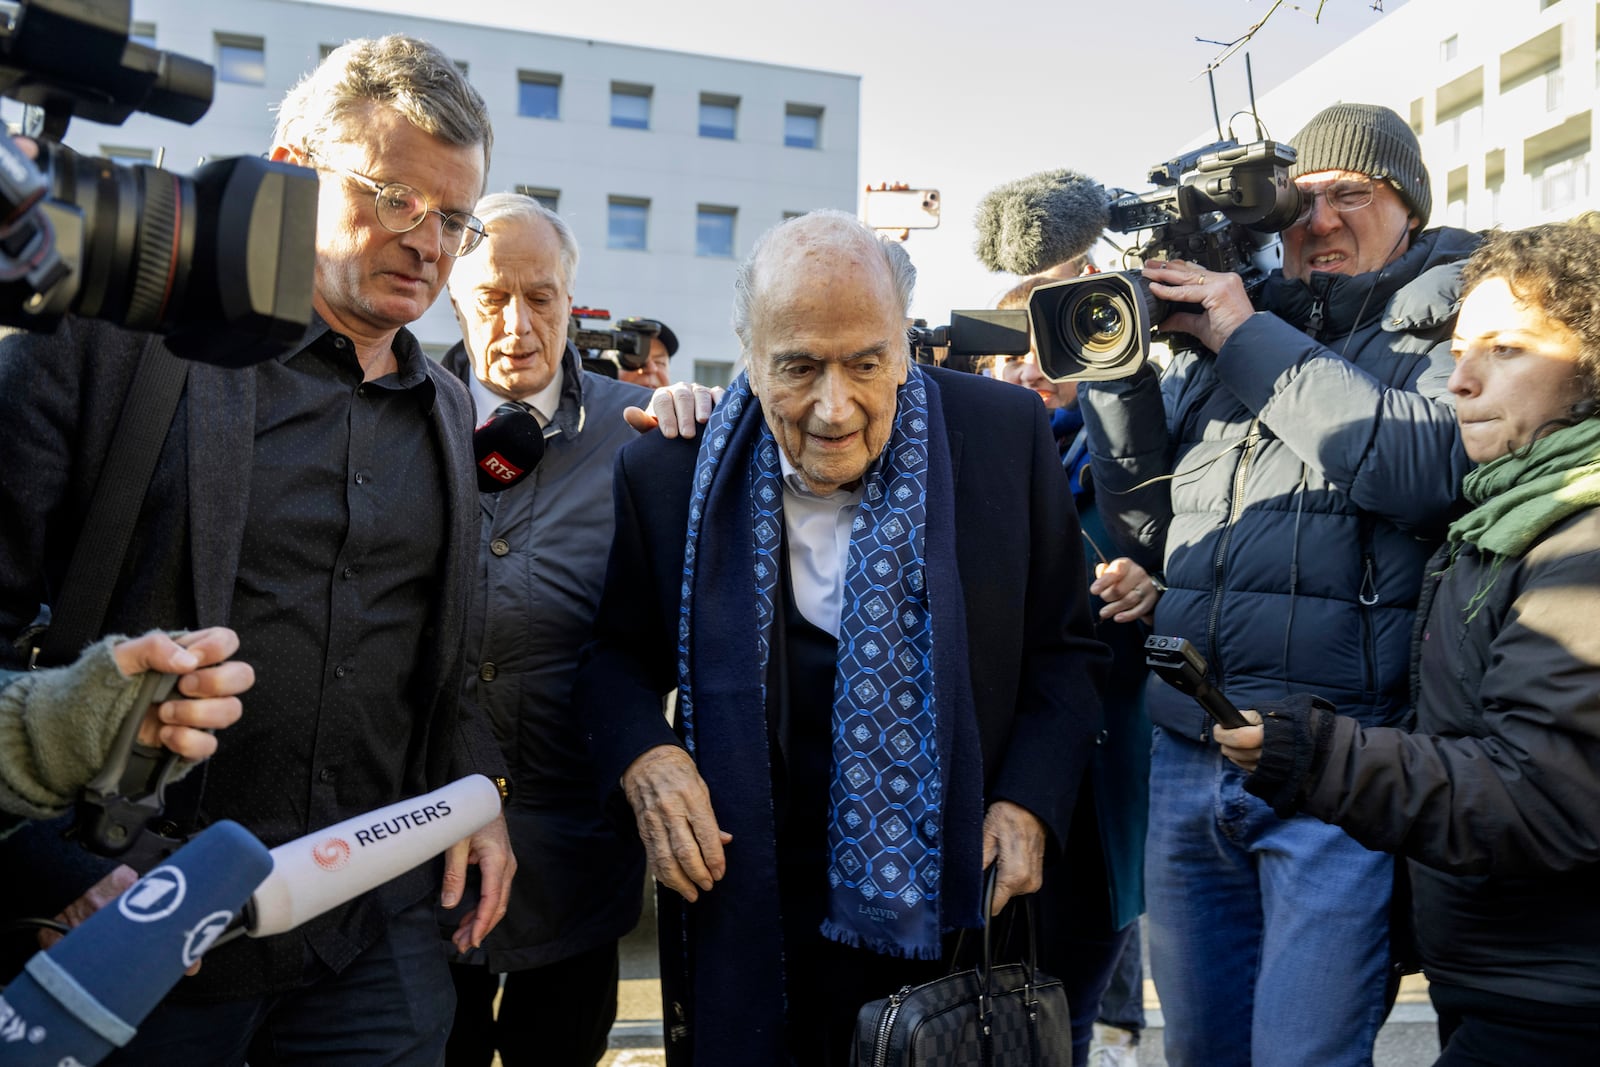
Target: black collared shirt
345, 537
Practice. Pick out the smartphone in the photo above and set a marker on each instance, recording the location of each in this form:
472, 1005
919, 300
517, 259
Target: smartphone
902, 209
1181, 666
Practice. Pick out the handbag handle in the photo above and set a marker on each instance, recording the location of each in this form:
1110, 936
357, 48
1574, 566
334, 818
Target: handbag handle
991, 879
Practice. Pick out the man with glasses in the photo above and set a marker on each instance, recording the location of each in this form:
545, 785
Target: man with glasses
1292, 478
322, 503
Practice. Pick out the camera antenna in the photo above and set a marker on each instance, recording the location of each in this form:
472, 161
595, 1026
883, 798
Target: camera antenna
1250, 84
1216, 116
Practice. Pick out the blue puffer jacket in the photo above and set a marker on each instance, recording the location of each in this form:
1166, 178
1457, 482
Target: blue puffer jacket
1314, 462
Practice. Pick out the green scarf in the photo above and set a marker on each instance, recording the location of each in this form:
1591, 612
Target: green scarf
1522, 494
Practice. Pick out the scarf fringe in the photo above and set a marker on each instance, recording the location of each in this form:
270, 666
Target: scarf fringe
853, 939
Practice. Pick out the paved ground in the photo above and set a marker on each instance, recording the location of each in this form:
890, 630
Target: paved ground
1407, 1040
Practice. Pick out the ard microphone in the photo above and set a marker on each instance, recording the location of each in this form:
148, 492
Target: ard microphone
84, 998
1032, 224
320, 871
507, 447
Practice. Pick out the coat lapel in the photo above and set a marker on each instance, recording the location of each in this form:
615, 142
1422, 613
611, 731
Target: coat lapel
221, 417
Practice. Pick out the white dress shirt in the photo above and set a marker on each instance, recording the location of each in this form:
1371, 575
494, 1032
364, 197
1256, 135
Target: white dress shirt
819, 545
543, 404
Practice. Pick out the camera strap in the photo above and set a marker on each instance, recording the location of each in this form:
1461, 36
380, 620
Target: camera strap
78, 608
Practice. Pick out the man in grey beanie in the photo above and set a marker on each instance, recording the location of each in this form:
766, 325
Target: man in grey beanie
1291, 479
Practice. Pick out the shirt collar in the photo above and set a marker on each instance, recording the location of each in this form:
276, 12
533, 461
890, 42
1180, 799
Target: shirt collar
794, 483
411, 363
543, 403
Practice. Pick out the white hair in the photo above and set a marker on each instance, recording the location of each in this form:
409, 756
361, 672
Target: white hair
833, 227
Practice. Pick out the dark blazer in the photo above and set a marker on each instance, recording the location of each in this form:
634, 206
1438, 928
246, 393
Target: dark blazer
1035, 666
60, 398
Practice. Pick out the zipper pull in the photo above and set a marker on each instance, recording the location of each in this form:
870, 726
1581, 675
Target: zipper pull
1369, 580
1314, 323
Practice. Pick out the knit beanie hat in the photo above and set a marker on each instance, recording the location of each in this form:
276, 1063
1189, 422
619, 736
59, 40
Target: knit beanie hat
1366, 139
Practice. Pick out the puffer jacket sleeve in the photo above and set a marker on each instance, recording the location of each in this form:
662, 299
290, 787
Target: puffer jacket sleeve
1131, 449
1520, 797
1394, 450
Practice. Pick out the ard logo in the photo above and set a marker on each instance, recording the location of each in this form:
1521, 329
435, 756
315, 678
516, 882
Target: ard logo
155, 896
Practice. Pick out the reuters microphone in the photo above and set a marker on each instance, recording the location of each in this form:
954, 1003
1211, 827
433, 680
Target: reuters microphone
318, 872
86, 996
507, 447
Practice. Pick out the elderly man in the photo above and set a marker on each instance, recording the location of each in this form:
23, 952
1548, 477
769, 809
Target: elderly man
541, 565
1293, 481
865, 585
322, 504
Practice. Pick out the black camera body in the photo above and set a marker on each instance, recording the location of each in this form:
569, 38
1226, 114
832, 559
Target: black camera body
626, 347
1220, 207
221, 262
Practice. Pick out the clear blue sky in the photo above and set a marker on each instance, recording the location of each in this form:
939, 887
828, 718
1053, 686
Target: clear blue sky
956, 98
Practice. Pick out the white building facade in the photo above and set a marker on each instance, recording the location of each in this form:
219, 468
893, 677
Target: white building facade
667, 165
1501, 93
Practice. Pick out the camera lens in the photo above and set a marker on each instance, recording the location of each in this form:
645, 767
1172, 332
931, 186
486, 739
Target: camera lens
1100, 322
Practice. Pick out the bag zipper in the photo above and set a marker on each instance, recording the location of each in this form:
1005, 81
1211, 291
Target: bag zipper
880, 1045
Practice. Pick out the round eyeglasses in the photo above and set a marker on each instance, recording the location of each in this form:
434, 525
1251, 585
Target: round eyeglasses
1346, 194
401, 209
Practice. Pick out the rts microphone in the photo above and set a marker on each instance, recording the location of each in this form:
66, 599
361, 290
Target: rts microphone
1032, 224
84, 998
507, 447
320, 871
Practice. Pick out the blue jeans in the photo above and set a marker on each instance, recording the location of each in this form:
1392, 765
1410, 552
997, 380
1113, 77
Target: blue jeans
1269, 937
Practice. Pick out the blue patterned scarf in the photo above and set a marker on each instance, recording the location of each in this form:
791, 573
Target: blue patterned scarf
900, 707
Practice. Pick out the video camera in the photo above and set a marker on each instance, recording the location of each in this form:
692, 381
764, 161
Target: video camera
221, 262
1220, 206
605, 350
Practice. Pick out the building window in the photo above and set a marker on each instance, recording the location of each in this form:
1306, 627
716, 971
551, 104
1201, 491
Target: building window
538, 95
546, 196
713, 372
627, 223
143, 32
630, 106
713, 231
802, 126
719, 116
127, 157
1449, 48
241, 60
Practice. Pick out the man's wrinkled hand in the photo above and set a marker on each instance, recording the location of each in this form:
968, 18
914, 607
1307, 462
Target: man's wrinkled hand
1207, 305
677, 410
1013, 839
490, 849
672, 805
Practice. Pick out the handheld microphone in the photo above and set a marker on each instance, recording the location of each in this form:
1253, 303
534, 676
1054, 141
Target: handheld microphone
1032, 224
507, 447
84, 998
320, 871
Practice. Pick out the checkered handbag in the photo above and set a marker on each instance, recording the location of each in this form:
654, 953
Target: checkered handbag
1007, 1016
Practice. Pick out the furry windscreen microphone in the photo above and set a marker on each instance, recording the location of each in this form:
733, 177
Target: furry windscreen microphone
1031, 224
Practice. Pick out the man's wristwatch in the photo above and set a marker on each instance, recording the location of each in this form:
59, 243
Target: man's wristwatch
502, 783
1158, 581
